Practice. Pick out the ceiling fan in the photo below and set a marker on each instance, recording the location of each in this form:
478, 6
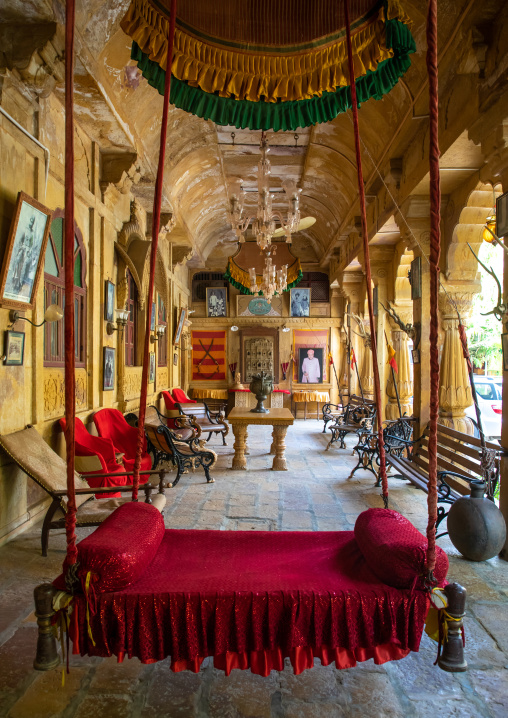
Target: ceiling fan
304, 223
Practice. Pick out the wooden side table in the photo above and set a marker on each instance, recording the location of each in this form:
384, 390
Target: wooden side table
305, 396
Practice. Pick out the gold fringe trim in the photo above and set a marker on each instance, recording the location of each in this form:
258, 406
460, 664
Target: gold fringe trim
243, 277
252, 76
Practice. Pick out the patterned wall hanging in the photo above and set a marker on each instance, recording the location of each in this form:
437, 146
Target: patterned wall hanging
209, 355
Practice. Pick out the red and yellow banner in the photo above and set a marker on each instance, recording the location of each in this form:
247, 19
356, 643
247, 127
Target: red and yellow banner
209, 355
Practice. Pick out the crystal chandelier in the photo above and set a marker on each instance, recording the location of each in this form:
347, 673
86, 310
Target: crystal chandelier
274, 280
263, 223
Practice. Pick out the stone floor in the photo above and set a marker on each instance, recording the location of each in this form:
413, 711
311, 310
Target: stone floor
314, 494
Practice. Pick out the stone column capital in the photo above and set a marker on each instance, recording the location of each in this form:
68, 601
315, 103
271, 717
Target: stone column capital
454, 300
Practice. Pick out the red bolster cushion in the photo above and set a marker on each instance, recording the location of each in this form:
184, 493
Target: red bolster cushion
120, 549
395, 550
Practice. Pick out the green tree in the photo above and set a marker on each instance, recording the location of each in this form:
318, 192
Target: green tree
484, 332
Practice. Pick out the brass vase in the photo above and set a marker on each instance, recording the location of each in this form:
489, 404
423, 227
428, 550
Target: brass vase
261, 386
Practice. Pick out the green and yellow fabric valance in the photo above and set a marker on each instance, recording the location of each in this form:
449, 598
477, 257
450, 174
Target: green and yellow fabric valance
249, 255
252, 63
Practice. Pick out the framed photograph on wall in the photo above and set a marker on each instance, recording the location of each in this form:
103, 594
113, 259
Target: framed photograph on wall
14, 348
109, 301
179, 326
151, 372
175, 359
299, 302
416, 278
415, 355
152, 318
24, 253
502, 215
375, 301
216, 302
310, 365
504, 346
108, 370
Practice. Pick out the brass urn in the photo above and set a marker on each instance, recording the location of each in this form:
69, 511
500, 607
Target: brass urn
261, 386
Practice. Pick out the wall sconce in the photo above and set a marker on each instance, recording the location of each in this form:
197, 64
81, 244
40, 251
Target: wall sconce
52, 314
122, 315
159, 333
285, 329
234, 328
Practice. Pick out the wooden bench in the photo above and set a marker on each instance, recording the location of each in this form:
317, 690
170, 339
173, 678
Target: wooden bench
459, 462
210, 422
184, 455
397, 435
359, 415
331, 412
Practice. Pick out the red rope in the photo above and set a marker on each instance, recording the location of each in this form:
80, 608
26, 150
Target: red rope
435, 250
157, 202
70, 378
365, 237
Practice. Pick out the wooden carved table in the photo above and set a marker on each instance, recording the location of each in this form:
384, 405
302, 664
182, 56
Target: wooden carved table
280, 419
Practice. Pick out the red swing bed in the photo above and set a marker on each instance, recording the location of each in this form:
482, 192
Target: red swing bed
251, 599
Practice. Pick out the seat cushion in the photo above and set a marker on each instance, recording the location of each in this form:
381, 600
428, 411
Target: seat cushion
395, 550
118, 552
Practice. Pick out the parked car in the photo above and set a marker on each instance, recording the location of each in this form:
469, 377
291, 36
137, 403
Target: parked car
489, 394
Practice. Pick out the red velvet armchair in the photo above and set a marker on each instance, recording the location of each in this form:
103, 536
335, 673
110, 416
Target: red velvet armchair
111, 424
104, 451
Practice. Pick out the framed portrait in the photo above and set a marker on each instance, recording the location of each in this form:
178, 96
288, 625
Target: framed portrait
502, 215
24, 254
216, 302
108, 383
152, 318
179, 326
151, 371
109, 301
416, 278
504, 346
310, 365
415, 354
299, 302
375, 301
175, 359
14, 348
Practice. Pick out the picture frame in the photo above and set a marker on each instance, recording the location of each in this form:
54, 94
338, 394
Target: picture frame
310, 365
109, 301
375, 301
216, 302
151, 371
504, 347
299, 302
108, 369
175, 358
24, 253
14, 348
152, 318
502, 215
416, 278
179, 326
415, 354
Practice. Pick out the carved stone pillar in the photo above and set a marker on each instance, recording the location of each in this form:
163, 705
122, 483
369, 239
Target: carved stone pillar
454, 387
403, 378
344, 367
367, 373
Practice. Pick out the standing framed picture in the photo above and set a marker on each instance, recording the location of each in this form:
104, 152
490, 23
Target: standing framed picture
109, 301
14, 348
310, 365
416, 278
504, 346
151, 372
216, 302
24, 254
108, 383
502, 215
179, 326
299, 302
